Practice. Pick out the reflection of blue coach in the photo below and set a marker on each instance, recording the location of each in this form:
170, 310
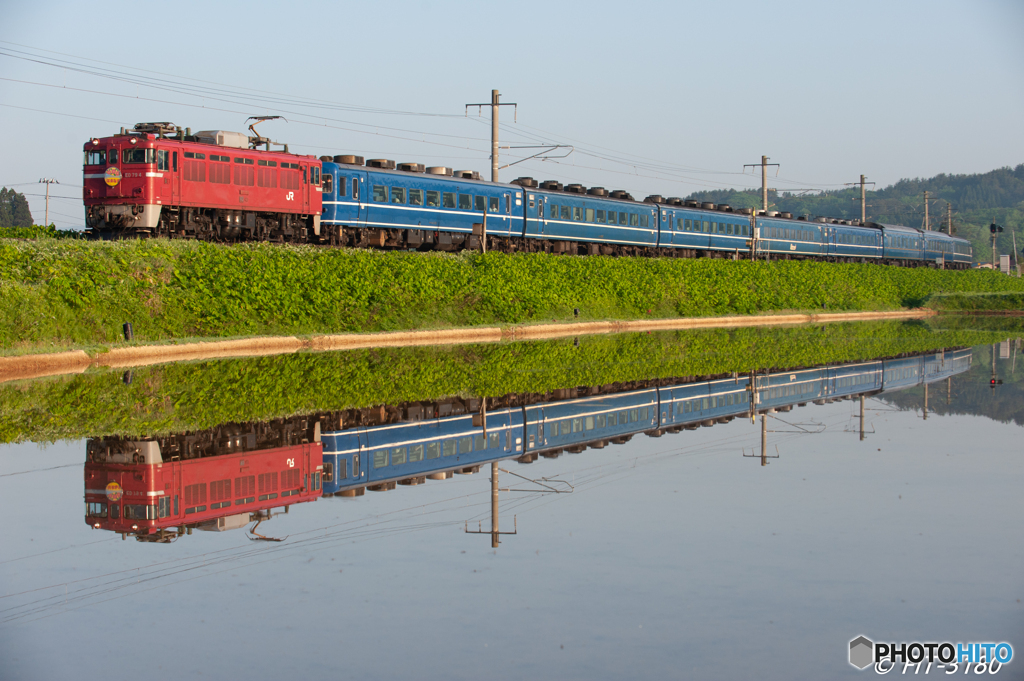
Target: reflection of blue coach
381, 456
384, 205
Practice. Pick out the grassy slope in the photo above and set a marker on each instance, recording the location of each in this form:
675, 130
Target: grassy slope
64, 293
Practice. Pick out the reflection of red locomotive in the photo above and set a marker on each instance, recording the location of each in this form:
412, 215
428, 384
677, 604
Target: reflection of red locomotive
158, 180
154, 490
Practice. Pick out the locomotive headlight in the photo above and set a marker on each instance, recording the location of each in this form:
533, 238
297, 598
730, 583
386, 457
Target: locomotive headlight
95, 142
133, 140
135, 527
96, 525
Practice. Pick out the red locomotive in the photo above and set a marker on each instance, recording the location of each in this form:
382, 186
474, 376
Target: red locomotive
133, 487
160, 180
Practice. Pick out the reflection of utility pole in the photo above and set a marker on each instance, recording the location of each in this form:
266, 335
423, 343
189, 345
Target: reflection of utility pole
926, 400
949, 389
862, 418
764, 443
494, 511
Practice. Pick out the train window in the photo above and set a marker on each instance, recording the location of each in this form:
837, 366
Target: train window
566, 213
634, 219
599, 421
494, 440
415, 453
95, 509
115, 511
96, 158
163, 507
112, 156
314, 173
728, 228
493, 205
449, 200
588, 423
599, 216
380, 193
284, 164
138, 156
244, 161
433, 450
448, 448
705, 226
261, 162
480, 203
645, 220
622, 218
465, 444
613, 420
554, 211
398, 195
328, 184
303, 174
577, 213
174, 161
190, 154
433, 199
398, 456
380, 458
465, 202
415, 197
480, 443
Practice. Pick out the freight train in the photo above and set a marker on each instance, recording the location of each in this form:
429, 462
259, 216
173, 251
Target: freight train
159, 180
158, 489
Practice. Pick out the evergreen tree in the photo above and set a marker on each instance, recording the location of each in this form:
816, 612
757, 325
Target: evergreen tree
14, 210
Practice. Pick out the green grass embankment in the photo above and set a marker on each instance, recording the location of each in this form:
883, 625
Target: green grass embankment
198, 395
1012, 301
68, 293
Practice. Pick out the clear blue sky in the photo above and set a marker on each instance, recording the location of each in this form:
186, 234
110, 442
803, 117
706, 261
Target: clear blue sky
657, 97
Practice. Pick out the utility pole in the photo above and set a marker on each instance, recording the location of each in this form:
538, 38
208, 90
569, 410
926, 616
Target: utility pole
863, 198
48, 181
494, 104
764, 179
949, 218
927, 226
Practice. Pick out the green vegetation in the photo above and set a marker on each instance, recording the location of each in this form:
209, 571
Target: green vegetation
38, 232
76, 293
194, 396
977, 200
977, 302
14, 210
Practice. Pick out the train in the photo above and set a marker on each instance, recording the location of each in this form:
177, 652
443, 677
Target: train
159, 489
159, 180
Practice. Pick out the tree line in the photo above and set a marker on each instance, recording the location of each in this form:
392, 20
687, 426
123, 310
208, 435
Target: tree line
14, 210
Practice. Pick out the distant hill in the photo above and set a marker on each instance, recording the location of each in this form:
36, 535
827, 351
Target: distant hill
976, 200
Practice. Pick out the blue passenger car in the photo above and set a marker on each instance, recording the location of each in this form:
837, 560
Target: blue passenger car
561, 425
784, 237
567, 219
853, 242
701, 231
901, 245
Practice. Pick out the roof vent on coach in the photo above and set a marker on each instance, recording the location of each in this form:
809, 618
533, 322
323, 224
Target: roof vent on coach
553, 185
576, 188
787, 215
690, 203
745, 211
772, 213
349, 159
725, 207
597, 191
821, 220
411, 167
655, 198
326, 159
467, 174
439, 170
707, 205
384, 163
674, 201
525, 182
621, 194
802, 217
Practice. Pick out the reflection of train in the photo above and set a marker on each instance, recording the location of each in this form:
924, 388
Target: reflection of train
158, 180
226, 477
421, 444
156, 489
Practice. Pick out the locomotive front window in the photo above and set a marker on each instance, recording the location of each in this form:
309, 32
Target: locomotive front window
138, 155
161, 160
95, 509
96, 158
139, 512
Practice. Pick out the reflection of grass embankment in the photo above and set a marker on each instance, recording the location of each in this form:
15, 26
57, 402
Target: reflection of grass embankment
1009, 302
194, 396
59, 294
